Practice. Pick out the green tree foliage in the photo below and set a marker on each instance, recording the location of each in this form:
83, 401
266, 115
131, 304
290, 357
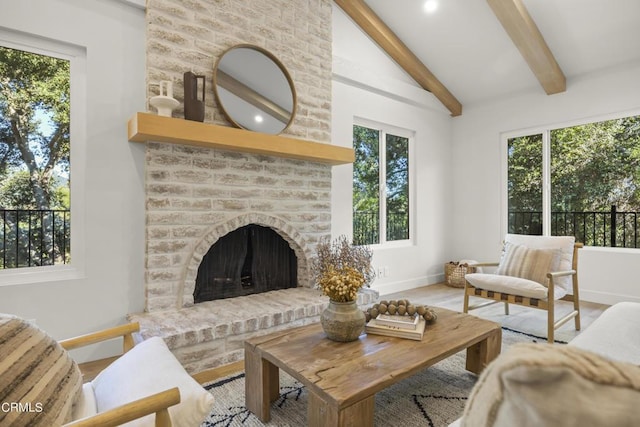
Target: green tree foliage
593, 166
397, 174
16, 190
33, 87
366, 169
397, 187
525, 173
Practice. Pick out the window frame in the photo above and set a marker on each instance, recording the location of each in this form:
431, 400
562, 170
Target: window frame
384, 129
545, 131
76, 55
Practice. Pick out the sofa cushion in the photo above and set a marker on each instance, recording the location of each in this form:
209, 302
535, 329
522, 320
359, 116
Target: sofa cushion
553, 385
146, 369
36, 372
528, 263
615, 334
512, 285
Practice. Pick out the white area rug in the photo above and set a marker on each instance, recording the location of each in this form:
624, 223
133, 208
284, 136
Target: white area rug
434, 397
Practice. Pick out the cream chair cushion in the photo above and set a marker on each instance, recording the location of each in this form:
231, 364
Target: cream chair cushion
554, 385
513, 286
150, 368
36, 372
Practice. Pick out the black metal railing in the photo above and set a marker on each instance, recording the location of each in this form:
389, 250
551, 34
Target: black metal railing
366, 227
34, 237
610, 228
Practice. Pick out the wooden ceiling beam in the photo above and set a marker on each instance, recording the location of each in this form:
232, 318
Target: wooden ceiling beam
524, 33
375, 28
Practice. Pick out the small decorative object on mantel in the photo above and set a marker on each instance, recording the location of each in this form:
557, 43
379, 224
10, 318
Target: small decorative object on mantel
340, 270
454, 273
165, 103
193, 107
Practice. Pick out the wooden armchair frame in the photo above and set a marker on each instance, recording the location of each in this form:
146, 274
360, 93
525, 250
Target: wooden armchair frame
156, 403
548, 305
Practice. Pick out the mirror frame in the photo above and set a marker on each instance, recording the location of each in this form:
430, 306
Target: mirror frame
277, 62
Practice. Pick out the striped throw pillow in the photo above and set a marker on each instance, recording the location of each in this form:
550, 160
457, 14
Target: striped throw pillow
40, 382
527, 263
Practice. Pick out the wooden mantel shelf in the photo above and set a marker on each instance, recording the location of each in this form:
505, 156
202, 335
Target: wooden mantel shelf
150, 127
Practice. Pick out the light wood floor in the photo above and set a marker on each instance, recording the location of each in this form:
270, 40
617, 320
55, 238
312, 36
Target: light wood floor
520, 318
439, 295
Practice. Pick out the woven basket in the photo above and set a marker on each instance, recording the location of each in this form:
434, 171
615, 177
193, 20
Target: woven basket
454, 273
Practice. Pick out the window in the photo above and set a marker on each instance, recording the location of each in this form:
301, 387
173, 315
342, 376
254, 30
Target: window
581, 181
36, 77
381, 197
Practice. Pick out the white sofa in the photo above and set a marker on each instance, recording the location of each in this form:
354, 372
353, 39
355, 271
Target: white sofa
593, 381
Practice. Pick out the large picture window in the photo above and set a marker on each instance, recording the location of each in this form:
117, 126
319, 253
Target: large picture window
42, 145
581, 181
381, 196
34, 159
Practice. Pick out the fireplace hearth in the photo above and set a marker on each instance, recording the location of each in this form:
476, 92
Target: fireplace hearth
249, 260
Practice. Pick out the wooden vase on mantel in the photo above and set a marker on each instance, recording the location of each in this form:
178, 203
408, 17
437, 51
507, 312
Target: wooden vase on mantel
342, 321
193, 107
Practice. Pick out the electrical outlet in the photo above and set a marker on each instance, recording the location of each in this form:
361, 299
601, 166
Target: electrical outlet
380, 272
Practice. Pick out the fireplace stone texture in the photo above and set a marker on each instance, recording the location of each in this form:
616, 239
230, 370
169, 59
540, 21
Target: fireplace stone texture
189, 207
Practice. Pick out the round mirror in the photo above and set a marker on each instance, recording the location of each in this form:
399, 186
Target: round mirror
254, 90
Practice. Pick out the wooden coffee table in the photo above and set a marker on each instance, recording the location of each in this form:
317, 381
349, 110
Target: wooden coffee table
343, 378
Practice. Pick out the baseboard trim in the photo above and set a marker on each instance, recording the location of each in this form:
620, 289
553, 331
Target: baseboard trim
606, 297
405, 285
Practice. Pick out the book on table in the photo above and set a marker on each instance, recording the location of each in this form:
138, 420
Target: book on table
402, 322
375, 328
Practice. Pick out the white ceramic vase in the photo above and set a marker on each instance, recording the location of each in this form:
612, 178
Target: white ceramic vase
164, 103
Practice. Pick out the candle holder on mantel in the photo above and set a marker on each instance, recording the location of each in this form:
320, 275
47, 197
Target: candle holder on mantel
165, 103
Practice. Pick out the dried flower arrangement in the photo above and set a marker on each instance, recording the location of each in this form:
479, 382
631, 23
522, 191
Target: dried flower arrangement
340, 269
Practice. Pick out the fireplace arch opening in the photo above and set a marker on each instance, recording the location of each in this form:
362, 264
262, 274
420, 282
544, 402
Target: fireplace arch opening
248, 260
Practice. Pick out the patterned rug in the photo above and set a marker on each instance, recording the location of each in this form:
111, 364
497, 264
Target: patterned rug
434, 397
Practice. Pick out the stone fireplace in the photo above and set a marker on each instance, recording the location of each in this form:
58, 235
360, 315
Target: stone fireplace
196, 196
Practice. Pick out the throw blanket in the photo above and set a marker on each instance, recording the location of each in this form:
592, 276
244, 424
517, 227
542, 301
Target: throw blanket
549, 385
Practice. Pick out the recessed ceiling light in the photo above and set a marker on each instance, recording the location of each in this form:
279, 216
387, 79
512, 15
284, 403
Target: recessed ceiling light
258, 118
430, 6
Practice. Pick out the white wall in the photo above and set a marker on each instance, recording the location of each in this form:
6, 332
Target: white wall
606, 275
368, 88
113, 33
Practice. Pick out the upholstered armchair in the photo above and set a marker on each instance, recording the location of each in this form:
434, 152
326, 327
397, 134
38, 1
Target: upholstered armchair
534, 271
43, 386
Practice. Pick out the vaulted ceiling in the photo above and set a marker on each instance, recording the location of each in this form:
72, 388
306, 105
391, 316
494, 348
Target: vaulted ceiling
472, 51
